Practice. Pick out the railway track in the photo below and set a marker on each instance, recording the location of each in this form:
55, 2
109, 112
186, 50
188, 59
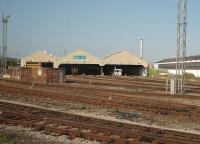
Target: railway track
114, 82
135, 82
101, 90
110, 100
90, 128
135, 78
90, 89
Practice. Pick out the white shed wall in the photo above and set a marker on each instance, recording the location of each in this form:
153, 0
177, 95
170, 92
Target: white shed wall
195, 72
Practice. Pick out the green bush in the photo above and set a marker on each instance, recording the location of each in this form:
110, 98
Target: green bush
152, 72
6, 140
189, 76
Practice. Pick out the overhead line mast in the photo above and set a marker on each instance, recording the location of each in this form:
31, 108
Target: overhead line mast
4, 56
181, 45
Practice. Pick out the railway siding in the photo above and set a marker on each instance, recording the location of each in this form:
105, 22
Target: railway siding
89, 128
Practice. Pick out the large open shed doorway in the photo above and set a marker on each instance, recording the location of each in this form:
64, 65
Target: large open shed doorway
80, 69
132, 70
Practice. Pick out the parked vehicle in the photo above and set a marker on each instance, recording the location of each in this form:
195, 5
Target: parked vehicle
117, 72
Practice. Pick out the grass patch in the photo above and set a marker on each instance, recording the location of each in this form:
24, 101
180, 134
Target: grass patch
190, 76
6, 139
152, 72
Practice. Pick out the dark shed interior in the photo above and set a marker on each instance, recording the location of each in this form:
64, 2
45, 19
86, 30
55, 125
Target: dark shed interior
135, 70
79, 69
94, 69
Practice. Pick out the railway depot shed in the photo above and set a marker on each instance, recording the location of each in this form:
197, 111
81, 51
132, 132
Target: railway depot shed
80, 62
192, 65
129, 63
39, 59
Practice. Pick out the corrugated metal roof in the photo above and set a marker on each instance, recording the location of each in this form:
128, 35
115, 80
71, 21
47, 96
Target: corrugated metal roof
79, 57
189, 58
41, 56
124, 58
114, 53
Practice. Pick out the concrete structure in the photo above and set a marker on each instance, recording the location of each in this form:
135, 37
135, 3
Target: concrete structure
81, 62
41, 58
192, 65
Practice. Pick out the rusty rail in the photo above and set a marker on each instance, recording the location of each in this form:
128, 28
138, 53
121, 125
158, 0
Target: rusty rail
90, 128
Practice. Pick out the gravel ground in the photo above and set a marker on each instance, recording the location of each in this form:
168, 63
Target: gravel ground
29, 136
164, 122
33, 137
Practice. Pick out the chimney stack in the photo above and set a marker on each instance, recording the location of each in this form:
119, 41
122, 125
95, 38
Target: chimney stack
141, 48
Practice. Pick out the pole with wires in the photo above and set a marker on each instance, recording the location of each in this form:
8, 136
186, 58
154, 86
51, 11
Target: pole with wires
181, 46
4, 55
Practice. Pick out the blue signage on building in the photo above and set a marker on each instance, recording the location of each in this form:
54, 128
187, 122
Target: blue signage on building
79, 57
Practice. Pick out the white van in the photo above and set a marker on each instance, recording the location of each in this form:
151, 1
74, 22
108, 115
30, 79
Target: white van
117, 72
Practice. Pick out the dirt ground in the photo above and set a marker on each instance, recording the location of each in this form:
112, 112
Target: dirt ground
29, 136
132, 117
22, 135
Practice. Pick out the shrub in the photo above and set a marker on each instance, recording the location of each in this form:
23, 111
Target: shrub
189, 76
6, 140
152, 72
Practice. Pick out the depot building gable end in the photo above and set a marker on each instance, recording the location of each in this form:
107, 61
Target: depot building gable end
124, 58
41, 56
79, 57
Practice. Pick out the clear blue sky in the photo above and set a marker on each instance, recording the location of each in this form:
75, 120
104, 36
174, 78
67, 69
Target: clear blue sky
98, 26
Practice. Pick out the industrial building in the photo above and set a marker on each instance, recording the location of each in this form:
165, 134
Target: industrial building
129, 63
192, 65
39, 59
81, 62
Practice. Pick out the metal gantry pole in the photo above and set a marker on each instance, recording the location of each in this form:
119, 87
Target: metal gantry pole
1, 57
181, 45
4, 56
